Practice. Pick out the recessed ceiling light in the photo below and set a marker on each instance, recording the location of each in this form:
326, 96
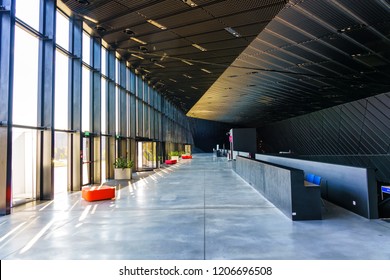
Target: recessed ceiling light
128, 31
187, 76
137, 56
182, 90
190, 3
100, 28
155, 23
199, 47
173, 80
138, 40
194, 87
83, 2
143, 49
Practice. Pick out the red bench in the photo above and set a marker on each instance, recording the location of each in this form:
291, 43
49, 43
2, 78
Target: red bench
98, 193
186, 157
170, 161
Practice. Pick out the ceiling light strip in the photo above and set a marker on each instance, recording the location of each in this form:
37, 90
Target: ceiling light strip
137, 56
158, 25
206, 71
199, 47
186, 62
138, 40
159, 65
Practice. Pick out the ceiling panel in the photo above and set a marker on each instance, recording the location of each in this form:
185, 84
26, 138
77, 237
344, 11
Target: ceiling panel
312, 55
293, 57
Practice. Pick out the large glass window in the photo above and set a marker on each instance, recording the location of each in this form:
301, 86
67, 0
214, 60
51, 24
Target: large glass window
104, 106
86, 100
25, 94
28, 11
117, 110
117, 70
62, 31
86, 48
61, 91
104, 61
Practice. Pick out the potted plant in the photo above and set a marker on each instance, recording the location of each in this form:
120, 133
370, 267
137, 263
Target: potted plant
123, 169
174, 155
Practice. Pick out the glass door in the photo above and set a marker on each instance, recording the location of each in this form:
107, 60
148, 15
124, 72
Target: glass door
60, 163
146, 155
24, 165
87, 163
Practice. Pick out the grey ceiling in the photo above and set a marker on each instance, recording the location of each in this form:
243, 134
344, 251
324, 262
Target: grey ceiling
290, 58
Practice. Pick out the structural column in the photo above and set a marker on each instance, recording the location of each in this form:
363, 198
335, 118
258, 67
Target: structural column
75, 79
45, 137
7, 31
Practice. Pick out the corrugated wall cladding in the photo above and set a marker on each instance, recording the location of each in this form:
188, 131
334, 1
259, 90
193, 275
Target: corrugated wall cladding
356, 133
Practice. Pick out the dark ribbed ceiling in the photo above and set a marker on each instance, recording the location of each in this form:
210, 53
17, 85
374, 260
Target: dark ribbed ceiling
163, 53
289, 60
312, 55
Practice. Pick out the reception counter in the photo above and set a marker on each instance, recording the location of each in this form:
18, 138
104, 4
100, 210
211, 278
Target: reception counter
282, 186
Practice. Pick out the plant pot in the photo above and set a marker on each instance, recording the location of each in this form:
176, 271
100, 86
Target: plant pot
122, 174
175, 158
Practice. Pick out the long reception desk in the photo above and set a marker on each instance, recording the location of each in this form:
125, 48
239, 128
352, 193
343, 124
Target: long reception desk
282, 186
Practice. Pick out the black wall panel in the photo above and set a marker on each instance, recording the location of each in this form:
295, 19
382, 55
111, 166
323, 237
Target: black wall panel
207, 134
355, 133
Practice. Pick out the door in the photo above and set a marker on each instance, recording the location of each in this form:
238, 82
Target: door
87, 162
146, 155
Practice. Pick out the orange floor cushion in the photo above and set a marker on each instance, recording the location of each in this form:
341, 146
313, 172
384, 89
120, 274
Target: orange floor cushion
186, 157
98, 193
170, 161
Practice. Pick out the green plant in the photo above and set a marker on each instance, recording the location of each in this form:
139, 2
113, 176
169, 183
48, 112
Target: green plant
123, 163
182, 153
174, 153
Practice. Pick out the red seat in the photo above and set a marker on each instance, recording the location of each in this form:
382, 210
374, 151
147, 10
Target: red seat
186, 157
170, 161
98, 193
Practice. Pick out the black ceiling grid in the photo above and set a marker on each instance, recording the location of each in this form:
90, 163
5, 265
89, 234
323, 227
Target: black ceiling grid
301, 55
203, 25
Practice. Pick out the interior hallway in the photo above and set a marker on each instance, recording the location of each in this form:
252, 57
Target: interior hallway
197, 209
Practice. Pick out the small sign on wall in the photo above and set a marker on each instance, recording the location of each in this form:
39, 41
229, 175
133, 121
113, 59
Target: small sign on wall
385, 189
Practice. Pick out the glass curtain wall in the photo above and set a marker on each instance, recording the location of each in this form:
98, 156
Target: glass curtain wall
146, 115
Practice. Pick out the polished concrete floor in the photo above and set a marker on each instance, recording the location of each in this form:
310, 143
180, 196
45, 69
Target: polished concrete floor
197, 209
